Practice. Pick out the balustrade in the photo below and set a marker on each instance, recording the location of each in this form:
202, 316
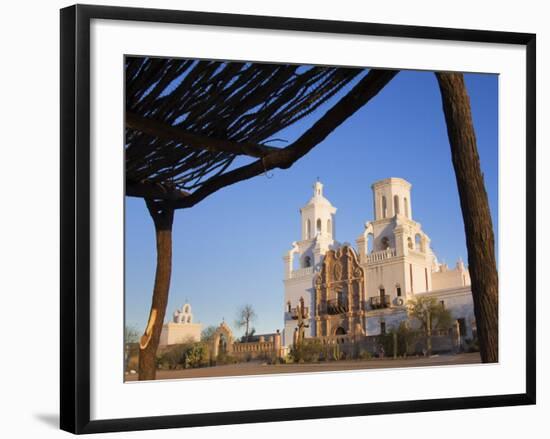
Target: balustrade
301, 272
381, 255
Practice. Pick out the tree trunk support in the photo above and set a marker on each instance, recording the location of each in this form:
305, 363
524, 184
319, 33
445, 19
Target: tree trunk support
475, 211
163, 217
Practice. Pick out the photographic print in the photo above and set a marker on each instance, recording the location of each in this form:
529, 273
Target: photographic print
287, 218
252, 205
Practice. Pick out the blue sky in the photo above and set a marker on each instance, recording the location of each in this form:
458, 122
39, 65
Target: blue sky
228, 249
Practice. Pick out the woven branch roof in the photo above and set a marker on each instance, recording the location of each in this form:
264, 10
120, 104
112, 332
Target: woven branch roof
188, 120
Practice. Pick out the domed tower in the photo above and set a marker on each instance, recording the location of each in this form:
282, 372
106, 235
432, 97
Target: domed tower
392, 196
305, 257
393, 248
317, 215
317, 236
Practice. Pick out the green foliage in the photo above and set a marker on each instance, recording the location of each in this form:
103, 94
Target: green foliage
309, 351
405, 338
225, 358
131, 348
471, 345
273, 359
430, 313
196, 356
364, 355
172, 357
403, 335
132, 356
385, 344
312, 351
183, 356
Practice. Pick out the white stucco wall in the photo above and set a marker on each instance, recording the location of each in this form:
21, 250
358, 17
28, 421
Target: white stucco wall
388, 274
446, 278
174, 333
460, 302
392, 318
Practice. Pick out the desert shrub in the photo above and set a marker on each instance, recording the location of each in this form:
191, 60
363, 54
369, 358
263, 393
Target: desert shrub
308, 351
404, 336
173, 357
471, 345
195, 356
131, 356
225, 358
184, 355
273, 359
364, 355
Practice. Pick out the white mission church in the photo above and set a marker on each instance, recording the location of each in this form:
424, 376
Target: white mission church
364, 291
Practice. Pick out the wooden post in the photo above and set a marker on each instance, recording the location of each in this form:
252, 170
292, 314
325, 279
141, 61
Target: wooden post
475, 211
163, 217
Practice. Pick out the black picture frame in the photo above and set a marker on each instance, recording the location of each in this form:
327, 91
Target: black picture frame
75, 217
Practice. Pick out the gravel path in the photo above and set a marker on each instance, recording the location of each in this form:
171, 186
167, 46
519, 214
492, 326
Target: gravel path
255, 368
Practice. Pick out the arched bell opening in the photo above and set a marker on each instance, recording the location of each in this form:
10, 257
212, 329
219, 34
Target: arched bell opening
340, 331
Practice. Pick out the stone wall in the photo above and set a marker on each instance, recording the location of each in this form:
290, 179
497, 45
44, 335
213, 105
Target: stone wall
358, 346
253, 350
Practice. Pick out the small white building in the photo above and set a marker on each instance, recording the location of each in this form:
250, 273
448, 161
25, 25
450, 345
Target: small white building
181, 329
366, 290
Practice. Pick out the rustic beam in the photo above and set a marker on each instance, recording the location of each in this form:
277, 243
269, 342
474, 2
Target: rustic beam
154, 191
167, 132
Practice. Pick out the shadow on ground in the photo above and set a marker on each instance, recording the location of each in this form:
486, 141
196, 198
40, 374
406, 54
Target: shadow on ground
49, 419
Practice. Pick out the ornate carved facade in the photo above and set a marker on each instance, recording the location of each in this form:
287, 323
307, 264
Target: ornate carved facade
339, 294
349, 295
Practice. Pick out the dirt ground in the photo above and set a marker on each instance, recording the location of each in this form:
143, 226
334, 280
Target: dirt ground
256, 368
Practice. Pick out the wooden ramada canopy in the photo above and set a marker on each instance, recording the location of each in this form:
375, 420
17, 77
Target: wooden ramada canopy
187, 121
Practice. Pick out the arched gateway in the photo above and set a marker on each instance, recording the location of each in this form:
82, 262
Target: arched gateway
222, 341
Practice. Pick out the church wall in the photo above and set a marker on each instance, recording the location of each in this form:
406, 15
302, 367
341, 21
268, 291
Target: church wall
300, 287
294, 289
460, 302
450, 279
381, 230
419, 277
388, 275
175, 333
391, 318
